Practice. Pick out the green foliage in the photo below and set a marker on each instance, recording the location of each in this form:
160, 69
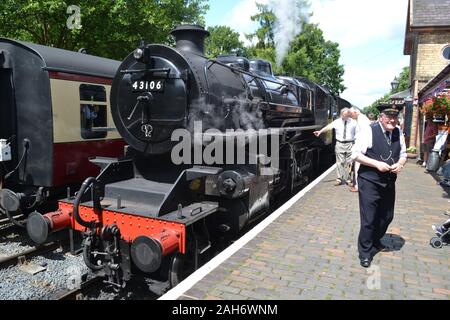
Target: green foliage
223, 40
403, 80
309, 56
113, 28
411, 150
312, 57
264, 35
110, 28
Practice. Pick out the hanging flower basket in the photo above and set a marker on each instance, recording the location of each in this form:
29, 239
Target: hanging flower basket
438, 106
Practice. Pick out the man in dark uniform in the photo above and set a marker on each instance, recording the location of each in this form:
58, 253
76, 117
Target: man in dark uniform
381, 150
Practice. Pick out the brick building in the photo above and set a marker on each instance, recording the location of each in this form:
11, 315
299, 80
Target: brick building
427, 41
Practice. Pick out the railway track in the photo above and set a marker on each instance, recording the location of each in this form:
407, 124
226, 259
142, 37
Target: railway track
20, 258
79, 292
6, 226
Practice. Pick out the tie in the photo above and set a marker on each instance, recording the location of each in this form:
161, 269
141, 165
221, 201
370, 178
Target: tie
345, 129
388, 135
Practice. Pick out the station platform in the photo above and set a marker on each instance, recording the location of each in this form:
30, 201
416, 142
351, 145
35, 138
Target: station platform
307, 249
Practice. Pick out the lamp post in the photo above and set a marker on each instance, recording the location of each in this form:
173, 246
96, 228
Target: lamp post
394, 84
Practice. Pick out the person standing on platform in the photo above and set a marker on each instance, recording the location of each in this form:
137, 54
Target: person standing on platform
381, 151
345, 128
429, 138
362, 123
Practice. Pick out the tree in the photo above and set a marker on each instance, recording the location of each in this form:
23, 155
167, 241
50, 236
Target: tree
109, 28
316, 59
309, 54
373, 107
264, 35
403, 80
223, 40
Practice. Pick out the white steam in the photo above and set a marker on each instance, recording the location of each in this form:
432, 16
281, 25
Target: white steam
290, 15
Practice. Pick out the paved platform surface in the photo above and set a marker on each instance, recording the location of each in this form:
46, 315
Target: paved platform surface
310, 251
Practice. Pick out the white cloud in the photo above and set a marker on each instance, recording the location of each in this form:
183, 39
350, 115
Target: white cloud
352, 23
365, 31
367, 83
239, 18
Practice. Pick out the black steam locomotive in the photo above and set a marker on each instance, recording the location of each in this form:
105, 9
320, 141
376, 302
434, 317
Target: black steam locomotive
143, 212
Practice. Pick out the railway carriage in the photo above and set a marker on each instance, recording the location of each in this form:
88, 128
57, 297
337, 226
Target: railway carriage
54, 115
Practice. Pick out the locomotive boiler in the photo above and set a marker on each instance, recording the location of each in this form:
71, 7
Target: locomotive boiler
146, 213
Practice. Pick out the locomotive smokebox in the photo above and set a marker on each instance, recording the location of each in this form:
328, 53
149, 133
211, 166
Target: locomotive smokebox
190, 38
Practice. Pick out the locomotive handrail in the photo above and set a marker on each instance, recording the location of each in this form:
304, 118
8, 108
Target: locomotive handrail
255, 76
166, 70
102, 129
242, 71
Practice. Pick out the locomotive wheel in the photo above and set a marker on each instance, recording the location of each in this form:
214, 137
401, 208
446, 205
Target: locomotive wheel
177, 272
436, 242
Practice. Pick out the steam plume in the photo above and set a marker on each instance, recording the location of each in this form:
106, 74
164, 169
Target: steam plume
290, 15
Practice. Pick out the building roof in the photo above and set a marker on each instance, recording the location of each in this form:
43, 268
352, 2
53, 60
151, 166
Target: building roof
401, 95
425, 15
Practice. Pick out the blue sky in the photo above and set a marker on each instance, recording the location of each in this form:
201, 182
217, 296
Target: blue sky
370, 34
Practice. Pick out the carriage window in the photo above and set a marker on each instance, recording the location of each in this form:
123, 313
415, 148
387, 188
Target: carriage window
93, 113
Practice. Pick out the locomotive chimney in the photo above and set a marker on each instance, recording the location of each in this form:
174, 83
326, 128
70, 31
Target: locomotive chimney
190, 38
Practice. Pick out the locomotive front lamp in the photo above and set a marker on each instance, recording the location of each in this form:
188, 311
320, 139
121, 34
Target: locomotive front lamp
138, 54
394, 84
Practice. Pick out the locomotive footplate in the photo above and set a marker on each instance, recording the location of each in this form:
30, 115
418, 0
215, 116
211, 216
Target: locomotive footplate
185, 215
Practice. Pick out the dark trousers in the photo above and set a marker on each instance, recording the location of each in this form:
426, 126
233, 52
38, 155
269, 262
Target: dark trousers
376, 209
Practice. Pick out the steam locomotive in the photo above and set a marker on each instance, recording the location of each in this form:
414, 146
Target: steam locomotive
144, 213
54, 115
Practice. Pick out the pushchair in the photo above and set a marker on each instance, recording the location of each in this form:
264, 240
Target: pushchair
442, 238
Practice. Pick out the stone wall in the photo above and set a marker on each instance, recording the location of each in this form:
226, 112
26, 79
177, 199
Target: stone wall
429, 55
426, 62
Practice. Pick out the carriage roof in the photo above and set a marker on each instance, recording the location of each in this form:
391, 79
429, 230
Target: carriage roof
61, 60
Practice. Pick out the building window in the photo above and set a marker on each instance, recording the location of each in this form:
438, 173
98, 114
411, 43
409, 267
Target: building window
446, 52
93, 114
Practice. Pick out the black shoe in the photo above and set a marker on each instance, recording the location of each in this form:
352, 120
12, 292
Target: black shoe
380, 247
365, 262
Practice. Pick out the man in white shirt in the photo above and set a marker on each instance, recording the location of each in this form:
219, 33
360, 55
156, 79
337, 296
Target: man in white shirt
381, 151
362, 123
345, 128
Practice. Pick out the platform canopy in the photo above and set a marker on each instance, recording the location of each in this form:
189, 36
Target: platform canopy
400, 97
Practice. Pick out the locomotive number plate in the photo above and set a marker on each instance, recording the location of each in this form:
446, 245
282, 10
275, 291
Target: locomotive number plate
148, 85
